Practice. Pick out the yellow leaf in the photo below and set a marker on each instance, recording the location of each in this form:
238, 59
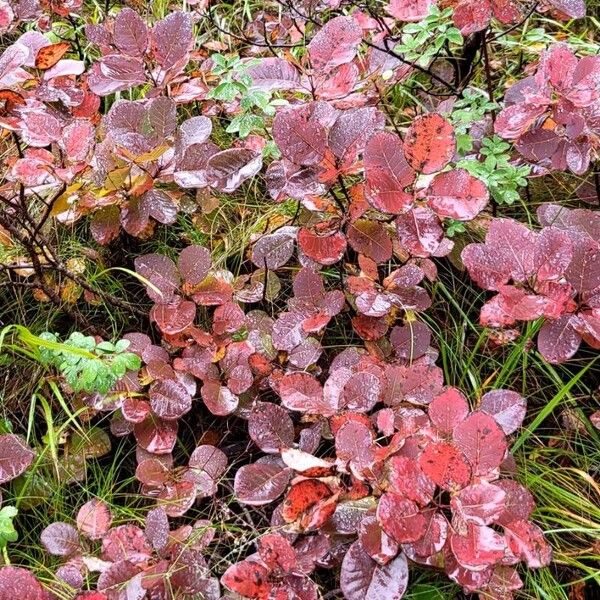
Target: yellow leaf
116, 179
149, 156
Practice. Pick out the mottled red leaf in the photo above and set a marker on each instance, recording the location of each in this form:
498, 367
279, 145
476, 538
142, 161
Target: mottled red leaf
429, 144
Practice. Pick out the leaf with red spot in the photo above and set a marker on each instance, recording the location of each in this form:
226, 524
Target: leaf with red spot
248, 579
48, 56
302, 497
482, 442
445, 465
429, 144
362, 578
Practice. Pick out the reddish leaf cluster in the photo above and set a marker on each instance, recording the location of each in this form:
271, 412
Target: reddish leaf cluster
131, 562
427, 484
553, 273
553, 115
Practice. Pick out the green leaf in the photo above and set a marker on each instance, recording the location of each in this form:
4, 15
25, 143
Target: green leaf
8, 533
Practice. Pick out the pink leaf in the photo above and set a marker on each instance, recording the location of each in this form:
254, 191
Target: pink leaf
508, 408
362, 578
335, 44
482, 441
94, 519
457, 195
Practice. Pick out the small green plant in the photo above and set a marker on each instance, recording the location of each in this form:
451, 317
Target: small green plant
236, 84
421, 42
8, 533
96, 369
501, 176
473, 106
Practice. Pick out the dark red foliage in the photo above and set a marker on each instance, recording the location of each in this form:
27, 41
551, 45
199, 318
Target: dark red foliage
553, 115
553, 273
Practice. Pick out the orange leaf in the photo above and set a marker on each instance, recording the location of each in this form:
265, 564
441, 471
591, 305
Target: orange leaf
48, 56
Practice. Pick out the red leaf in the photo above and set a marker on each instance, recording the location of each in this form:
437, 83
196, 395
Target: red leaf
445, 465
171, 38
277, 553
482, 442
387, 173
448, 410
248, 579
375, 542
15, 457
299, 135
482, 503
324, 249
130, 34
400, 518
16, 582
457, 195
270, 427
527, 542
370, 238
301, 392
429, 144
479, 547
406, 479
260, 483
409, 10
170, 399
